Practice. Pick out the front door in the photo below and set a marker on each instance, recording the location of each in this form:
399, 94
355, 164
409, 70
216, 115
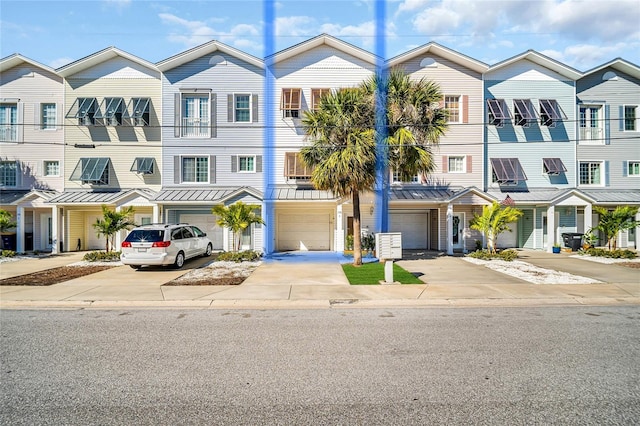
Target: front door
245, 239
46, 232
457, 227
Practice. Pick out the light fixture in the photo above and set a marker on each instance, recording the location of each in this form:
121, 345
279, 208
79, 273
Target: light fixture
371, 210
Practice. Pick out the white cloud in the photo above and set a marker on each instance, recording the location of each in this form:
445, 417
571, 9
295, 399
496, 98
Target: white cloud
586, 56
366, 31
295, 26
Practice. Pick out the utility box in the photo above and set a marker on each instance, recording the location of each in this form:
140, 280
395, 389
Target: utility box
389, 245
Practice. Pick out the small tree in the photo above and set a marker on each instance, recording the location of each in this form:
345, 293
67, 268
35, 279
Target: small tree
495, 219
617, 220
237, 217
113, 222
6, 223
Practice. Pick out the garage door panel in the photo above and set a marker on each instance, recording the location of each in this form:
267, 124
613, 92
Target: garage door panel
413, 227
207, 223
304, 231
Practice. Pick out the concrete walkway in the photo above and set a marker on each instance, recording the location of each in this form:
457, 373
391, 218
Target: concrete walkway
316, 281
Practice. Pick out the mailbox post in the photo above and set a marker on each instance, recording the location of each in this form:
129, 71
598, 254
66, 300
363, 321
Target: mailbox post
388, 248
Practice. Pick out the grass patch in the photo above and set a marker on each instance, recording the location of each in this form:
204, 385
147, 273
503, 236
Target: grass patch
373, 273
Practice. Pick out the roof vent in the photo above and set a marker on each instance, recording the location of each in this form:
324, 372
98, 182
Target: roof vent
217, 59
428, 63
609, 75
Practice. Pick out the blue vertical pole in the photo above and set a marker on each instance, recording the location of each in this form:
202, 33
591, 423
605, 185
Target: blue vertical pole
382, 171
269, 130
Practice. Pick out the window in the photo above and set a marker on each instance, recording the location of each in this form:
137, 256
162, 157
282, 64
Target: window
110, 111
94, 171
137, 112
553, 166
9, 122
590, 173
142, 165
591, 123
550, 112
246, 164
507, 171
633, 168
195, 116
84, 109
630, 116
396, 178
52, 168
48, 112
316, 97
242, 110
498, 114
8, 173
195, 169
456, 164
452, 105
524, 112
294, 167
290, 103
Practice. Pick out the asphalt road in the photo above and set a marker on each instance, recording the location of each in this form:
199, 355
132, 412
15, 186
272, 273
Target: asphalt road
339, 366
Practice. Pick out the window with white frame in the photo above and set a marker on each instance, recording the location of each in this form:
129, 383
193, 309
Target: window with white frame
195, 169
8, 173
457, 164
591, 173
9, 122
242, 108
246, 164
591, 124
396, 178
630, 118
195, 115
51, 168
452, 105
48, 112
633, 168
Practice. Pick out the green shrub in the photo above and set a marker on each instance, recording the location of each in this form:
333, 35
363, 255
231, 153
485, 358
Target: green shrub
349, 242
615, 254
102, 256
507, 255
239, 256
369, 242
8, 253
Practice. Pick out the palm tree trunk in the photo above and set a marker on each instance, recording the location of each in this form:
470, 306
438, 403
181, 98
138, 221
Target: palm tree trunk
357, 240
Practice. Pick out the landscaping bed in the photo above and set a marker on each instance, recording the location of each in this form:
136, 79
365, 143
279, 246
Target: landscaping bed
54, 275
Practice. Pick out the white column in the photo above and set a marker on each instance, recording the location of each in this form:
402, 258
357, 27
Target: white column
637, 241
226, 244
588, 219
118, 240
55, 243
20, 230
450, 229
339, 230
551, 228
156, 214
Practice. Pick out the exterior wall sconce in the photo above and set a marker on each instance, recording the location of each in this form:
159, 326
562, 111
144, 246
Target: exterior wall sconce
371, 210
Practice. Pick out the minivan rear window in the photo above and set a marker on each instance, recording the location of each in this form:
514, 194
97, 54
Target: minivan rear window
145, 235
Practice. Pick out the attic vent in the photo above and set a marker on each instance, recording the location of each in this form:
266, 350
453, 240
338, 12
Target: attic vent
609, 75
217, 59
428, 63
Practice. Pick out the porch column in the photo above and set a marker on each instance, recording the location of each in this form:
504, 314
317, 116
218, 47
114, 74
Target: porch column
588, 220
118, 240
55, 245
339, 230
226, 244
450, 229
551, 228
20, 230
156, 214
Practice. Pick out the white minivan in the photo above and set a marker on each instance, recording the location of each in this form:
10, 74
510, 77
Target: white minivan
164, 244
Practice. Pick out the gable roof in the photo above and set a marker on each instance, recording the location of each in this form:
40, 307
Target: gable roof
100, 57
204, 49
443, 52
16, 59
542, 60
619, 64
323, 39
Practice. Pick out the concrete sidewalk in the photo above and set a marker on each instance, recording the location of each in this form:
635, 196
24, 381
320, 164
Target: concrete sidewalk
308, 282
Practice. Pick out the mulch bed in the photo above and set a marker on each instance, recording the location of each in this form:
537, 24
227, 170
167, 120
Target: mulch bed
634, 265
208, 281
54, 275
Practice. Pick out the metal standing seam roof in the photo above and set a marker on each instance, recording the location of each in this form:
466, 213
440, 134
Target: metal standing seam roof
9, 197
192, 195
529, 197
97, 197
301, 194
631, 196
421, 194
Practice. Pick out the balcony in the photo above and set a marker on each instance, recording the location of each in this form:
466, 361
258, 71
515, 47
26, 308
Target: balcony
593, 135
9, 133
195, 128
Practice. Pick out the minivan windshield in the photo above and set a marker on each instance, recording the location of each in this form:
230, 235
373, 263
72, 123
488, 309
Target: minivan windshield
145, 235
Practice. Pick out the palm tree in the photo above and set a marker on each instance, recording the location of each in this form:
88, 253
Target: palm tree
237, 217
113, 222
612, 222
342, 154
6, 223
493, 221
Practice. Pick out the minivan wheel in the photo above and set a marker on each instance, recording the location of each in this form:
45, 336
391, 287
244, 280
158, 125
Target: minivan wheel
207, 253
179, 263
135, 266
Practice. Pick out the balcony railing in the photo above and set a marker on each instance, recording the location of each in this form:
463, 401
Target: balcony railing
591, 134
8, 133
195, 128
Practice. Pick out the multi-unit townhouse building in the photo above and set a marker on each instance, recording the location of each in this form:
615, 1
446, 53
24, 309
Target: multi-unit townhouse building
112, 152
31, 150
214, 125
530, 146
212, 138
608, 150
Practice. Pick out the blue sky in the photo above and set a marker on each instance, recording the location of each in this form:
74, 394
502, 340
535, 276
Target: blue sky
581, 33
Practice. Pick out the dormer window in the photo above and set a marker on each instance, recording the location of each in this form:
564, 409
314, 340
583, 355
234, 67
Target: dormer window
290, 103
137, 112
524, 112
550, 112
498, 113
110, 112
84, 109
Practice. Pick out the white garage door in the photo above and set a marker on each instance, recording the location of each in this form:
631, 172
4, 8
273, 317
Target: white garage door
413, 226
304, 230
93, 242
207, 223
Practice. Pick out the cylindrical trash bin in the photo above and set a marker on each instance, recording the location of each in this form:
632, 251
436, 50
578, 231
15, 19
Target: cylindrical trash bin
572, 240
